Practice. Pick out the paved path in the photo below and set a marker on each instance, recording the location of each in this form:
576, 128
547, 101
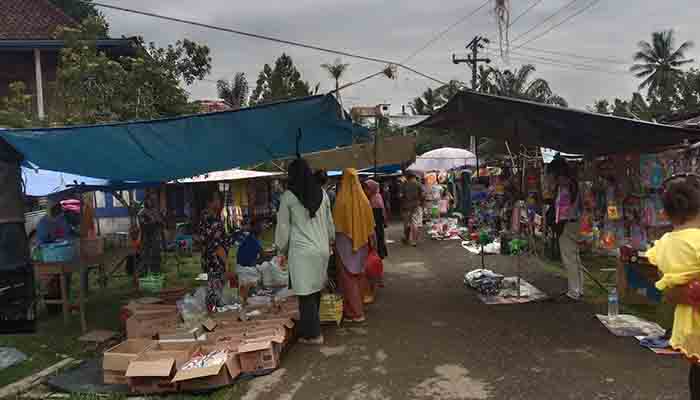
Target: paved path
427, 337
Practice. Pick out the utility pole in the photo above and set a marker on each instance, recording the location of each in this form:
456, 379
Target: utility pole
473, 61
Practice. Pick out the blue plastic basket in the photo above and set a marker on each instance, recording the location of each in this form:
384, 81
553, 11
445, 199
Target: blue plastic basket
58, 252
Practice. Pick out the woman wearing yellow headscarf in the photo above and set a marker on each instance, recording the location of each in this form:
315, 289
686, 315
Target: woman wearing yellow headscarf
354, 226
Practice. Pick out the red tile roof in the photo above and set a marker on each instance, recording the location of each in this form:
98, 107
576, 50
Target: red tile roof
31, 19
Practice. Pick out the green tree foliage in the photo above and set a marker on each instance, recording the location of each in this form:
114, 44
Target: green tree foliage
93, 87
518, 84
670, 90
234, 93
659, 64
279, 83
80, 10
16, 108
432, 99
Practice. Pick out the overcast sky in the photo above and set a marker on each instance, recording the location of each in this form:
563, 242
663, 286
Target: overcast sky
393, 29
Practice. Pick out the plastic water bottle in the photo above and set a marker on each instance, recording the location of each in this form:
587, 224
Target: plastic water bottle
613, 304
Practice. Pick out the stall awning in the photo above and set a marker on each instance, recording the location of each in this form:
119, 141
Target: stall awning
230, 175
564, 129
167, 149
390, 150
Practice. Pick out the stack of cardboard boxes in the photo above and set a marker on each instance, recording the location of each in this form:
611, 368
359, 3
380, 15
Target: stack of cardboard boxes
160, 356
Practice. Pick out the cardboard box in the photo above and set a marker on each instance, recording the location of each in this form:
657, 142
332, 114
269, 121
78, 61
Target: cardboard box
135, 308
213, 376
257, 357
152, 371
260, 351
227, 334
180, 334
116, 360
148, 326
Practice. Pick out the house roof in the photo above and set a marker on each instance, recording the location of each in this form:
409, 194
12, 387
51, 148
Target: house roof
31, 19
365, 111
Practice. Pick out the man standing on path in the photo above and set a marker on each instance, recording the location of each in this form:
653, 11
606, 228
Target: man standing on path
411, 208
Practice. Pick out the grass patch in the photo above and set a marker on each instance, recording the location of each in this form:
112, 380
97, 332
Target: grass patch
659, 313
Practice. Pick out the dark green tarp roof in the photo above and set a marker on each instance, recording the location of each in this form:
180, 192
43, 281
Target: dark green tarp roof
564, 129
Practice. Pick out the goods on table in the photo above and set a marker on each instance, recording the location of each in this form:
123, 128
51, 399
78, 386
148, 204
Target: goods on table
152, 283
485, 281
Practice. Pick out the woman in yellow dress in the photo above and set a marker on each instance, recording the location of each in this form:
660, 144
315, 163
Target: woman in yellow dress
677, 255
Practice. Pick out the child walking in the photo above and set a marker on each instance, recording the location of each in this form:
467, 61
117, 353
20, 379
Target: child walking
677, 255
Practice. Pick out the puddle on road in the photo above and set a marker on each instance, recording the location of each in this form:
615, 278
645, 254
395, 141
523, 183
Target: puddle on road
263, 384
414, 270
451, 383
362, 391
333, 351
381, 356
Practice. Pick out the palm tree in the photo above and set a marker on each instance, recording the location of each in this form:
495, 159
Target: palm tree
432, 99
336, 71
517, 84
427, 103
659, 62
234, 93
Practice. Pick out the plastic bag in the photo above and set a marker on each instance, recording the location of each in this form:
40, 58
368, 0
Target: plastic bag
279, 274
248, 276
193, 308
375, 266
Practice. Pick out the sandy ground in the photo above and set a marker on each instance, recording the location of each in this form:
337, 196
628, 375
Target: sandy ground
427, 337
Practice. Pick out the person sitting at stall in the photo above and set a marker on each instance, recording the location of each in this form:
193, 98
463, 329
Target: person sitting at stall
250, 248
53, 226
677, 255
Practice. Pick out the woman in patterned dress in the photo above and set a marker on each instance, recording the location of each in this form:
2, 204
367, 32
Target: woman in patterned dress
215, 245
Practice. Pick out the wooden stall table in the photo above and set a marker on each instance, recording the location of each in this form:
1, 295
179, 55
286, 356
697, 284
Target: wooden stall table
59, 269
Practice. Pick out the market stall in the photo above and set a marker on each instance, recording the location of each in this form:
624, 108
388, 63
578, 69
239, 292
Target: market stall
624, 164
152, 151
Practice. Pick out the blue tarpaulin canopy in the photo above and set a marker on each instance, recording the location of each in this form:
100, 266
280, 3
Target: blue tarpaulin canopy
167, 149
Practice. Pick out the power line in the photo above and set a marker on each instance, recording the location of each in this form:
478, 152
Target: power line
527, 10
574, 55
445, 31
570, 17
566, 65
563, 63
551, 16
271, 39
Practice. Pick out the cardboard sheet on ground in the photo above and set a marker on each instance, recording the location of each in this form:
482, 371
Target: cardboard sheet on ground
10, 356
491, 248
630, 325
528, 293
662, 352
86, 378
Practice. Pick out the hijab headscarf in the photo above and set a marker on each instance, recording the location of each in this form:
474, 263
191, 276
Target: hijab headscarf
353, 214
375, 197
305, 186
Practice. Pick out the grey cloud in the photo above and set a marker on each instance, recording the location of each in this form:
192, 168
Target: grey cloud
394, 29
